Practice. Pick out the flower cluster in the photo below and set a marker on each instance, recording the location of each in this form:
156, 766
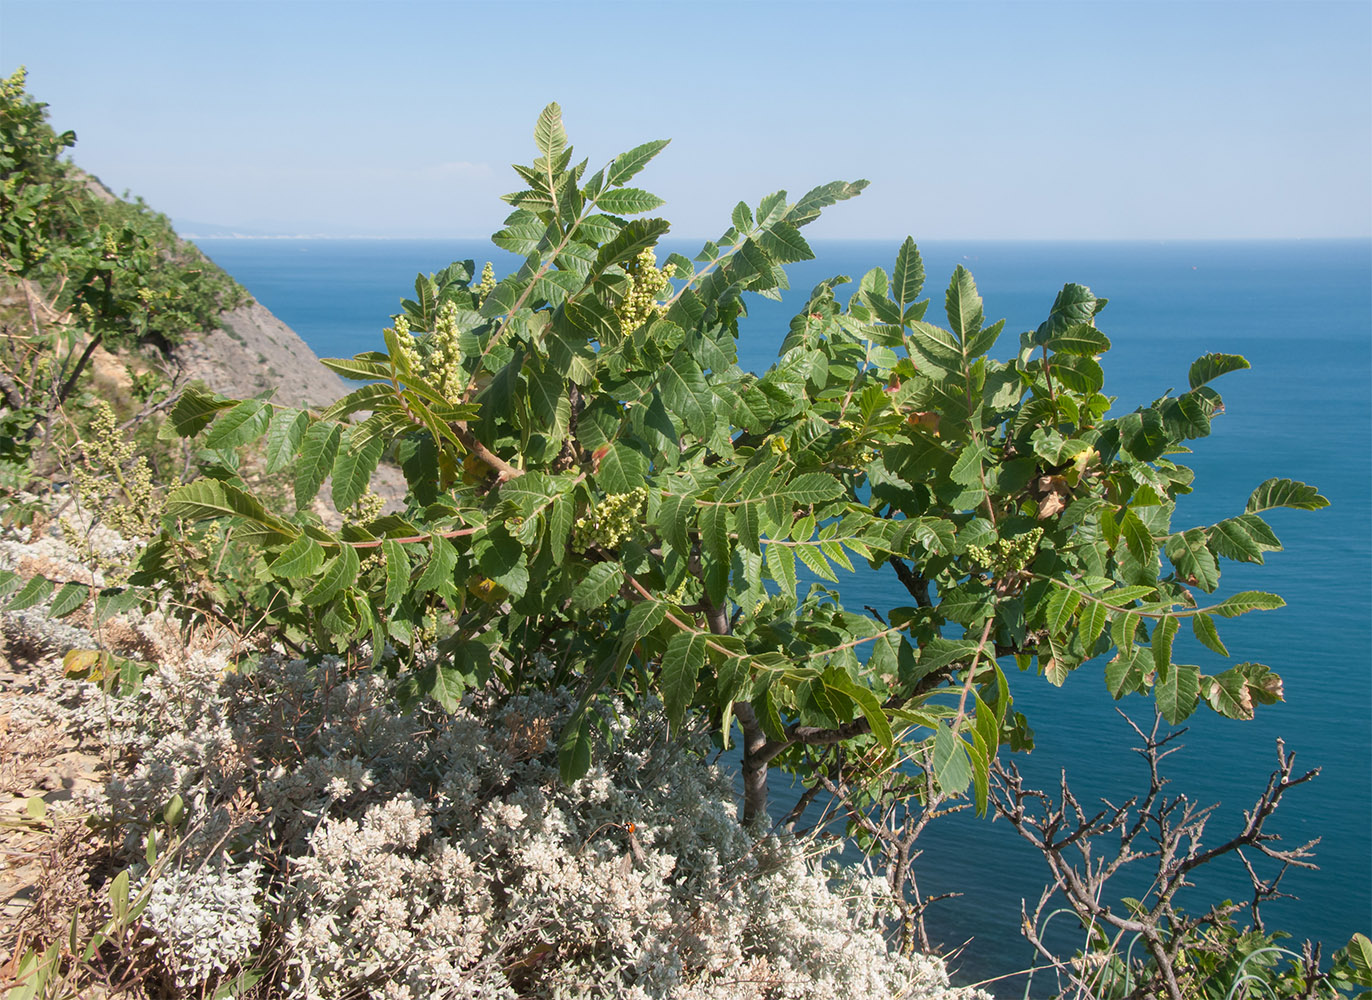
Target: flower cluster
368, 507
610, 520
646, 283
487, 285
443, 365
115, 481
1006, 555
408, 347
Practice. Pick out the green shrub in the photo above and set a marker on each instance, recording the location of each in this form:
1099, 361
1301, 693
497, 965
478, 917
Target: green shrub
593, 478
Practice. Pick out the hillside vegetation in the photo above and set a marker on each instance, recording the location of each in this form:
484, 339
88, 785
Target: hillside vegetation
460, 746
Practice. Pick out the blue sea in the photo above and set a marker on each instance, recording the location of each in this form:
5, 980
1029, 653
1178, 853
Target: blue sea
1301, 312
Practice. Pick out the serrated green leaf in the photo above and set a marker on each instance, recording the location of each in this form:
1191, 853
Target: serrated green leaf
936, 535
783, 243
301, 558
626, 165
1246, 601
1093, 618
1244, 538
194, 411
627, 201
549, 135
1163, 634
1062, 604
687, 395
1083, 340
1074, 305
907, 280
68, 598
1123, 627
1136, 536
1194, 561
444, 683
501, 557
601, 582
680, 666
1285, 493
33, 592
622, 469
1228, 695
339, 573
967, 470
1143, 434
1176, 691
283, 439
1124, 674
811, 488
438, 571
808, 208
397, 571
936, 348
1080, 374
358, 369
317, 452
242, 425
353, 467
963, 306
815, 560
781, 564
635, 236
209, 498
1204, 628
952, 769
1211, 366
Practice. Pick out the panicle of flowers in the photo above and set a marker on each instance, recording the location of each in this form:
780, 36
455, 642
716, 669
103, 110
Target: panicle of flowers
368, 507
115, 481
443, 365
407, 347
610, 520
646, 283
487, 285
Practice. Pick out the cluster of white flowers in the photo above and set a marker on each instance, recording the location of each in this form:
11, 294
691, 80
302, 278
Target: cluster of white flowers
444, 363
408, 353
610, 520
440, 361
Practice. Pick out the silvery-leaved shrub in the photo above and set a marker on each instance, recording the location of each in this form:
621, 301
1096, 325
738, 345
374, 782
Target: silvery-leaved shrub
383, 851
206, 921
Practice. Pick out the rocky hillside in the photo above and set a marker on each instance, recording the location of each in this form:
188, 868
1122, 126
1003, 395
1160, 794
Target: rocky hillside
255, 351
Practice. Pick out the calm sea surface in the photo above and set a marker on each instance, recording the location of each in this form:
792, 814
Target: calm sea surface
1301, 312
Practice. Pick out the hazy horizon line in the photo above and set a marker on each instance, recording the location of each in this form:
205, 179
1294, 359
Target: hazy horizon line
823, 239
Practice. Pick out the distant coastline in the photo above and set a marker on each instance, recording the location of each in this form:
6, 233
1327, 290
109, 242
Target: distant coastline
306, 236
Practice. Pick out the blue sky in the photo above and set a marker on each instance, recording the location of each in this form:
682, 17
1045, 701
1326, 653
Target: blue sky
972, 120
